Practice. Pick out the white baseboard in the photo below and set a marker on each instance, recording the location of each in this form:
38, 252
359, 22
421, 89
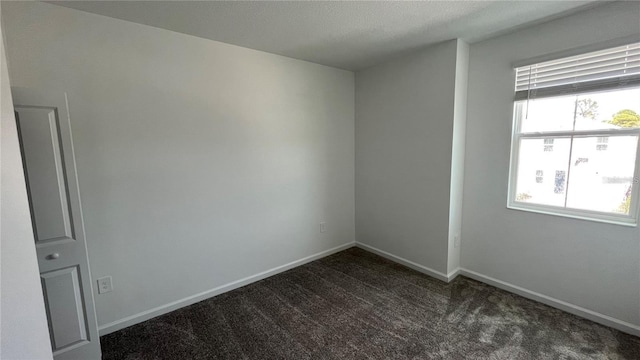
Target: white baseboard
408, 263
558, 304
160, 310
453, 274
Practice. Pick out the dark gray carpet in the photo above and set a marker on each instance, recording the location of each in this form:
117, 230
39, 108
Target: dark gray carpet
356, 305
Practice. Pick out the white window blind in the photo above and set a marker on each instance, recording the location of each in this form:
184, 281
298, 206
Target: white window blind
612, 68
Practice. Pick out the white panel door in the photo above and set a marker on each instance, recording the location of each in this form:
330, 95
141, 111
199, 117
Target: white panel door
47, 151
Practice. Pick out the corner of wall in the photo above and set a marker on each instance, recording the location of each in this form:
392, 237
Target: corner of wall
457, 155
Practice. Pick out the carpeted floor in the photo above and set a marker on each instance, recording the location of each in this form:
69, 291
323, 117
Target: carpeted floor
356, 305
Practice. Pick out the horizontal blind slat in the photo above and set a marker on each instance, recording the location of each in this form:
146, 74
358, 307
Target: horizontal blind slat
619, 62
586, 75
628, 67
572, 89
625, 48
541, 67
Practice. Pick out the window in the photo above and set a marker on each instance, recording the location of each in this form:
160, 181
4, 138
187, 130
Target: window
602, 143
578, 119
561, 176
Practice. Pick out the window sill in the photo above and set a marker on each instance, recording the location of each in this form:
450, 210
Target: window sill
553, 212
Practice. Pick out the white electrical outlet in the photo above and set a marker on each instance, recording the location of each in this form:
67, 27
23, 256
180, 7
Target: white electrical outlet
456, 241
323, 227
105, 285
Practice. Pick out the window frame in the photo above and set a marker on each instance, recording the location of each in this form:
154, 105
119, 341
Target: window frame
630, 219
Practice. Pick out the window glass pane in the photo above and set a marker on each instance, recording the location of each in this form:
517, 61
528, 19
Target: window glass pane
542, 174
594, 111
608, 110
601, 179
547, 114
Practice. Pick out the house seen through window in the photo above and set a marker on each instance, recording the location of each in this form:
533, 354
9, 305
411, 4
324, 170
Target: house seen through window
578, 120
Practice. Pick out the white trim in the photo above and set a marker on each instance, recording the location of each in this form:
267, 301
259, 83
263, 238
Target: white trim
408, 263
189, 300
579, 133
568, 213
529, 294
453, 274
553, 302
559, 304
588, 215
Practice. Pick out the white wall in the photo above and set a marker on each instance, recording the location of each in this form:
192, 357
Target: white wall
23, 323
404, 129
199, 163
592, 265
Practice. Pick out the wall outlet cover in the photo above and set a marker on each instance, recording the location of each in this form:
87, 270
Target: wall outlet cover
105, 285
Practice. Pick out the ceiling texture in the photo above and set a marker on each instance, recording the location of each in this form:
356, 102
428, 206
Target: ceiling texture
350, 35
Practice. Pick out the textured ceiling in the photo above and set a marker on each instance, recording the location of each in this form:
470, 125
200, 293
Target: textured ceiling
345, 34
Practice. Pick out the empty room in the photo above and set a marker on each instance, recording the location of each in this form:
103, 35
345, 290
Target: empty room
320, 180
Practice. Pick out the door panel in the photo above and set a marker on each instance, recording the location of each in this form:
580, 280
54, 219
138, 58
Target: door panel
42, 154
65, 307
44, 129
